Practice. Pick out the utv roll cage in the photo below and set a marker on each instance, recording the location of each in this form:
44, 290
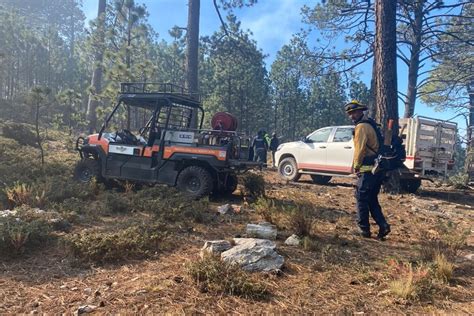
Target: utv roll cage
180, 104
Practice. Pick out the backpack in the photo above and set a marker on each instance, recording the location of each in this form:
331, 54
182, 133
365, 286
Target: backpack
387, 157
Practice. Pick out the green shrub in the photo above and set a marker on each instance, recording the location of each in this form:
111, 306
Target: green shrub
450, 241
170, 205
218, 277
458, 181
57, 190
254, 184
116, 203
23, 231
105, 247
21, 133
300, 220
265, 207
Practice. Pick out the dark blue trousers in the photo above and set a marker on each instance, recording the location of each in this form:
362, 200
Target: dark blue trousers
368, 188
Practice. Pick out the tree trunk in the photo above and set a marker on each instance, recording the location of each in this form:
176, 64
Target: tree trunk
371, 105
96, 81
469, 164
414, 65
385, 52
192, 50
38, 135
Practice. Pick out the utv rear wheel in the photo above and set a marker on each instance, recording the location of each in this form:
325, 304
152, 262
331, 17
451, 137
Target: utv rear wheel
320, 179
410, 185
195, 181
86, 170
288, 169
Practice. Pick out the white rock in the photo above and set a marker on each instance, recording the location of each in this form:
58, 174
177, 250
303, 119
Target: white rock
224, 209
86, 309
469, 256
254, 255
7, 213
262, 230
215, 247
293, 240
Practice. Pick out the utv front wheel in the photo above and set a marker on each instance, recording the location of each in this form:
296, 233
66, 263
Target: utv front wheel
86, 170
195, 181
288, 169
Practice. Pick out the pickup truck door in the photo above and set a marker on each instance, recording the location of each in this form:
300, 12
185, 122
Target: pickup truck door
313, 150
340, 151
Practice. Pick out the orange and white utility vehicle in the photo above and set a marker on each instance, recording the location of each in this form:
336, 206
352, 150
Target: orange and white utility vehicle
328, 152
164, 149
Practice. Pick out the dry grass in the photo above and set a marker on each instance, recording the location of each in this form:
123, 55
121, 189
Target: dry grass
410, 283
332, 272
23, 194
443, 269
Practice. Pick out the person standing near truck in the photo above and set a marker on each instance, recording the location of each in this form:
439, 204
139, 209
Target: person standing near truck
274, 143
260, 147
366, 147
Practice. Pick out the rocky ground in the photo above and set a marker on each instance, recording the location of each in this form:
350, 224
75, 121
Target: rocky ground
342, 274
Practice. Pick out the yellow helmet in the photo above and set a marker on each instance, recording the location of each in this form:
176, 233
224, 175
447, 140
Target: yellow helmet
354, 105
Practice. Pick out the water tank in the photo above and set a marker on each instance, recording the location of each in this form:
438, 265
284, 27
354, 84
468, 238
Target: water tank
224, 121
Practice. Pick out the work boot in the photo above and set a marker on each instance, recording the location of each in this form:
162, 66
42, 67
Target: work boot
363, 233
384, 231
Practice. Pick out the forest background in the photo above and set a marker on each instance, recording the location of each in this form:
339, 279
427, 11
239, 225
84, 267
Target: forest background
286, 66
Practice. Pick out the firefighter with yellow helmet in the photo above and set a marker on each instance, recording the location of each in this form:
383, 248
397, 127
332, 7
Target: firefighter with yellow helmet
366, 146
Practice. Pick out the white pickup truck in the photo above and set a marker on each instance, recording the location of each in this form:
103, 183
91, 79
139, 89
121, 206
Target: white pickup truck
328, 152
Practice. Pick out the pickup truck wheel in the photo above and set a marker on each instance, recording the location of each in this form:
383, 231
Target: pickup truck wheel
410, 185
86, 170
288, 169
195, 181
320, 179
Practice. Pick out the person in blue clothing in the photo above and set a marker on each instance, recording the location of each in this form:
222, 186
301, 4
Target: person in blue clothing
260, 147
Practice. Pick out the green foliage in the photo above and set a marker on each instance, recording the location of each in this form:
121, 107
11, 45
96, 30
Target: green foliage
458, 181
136, 242
234, 78
22, 232
170, 205
448, 242
218, 277
22, 133
300, 220
254, 184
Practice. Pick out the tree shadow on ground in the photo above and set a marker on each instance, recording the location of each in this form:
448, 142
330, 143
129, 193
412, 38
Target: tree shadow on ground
461, 197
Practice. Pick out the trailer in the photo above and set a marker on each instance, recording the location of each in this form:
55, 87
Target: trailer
430, 145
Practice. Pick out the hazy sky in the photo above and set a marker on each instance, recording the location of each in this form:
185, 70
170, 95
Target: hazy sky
272, 23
